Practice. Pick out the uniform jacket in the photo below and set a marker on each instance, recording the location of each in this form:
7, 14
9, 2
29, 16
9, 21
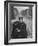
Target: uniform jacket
19, 30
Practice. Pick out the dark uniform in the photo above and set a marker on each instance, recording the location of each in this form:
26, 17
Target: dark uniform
19, 30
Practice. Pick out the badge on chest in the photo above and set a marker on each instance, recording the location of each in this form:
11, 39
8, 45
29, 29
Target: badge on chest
18, 30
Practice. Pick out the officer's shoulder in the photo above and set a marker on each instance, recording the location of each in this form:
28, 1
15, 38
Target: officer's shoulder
23, 23
16, 22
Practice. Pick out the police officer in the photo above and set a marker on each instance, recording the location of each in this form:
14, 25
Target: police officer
19, 29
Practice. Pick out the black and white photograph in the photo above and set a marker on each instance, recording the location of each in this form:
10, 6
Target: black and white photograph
20, 22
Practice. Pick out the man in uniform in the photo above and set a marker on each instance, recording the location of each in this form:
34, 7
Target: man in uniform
19, 29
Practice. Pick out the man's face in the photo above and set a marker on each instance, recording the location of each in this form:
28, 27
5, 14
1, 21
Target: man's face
20, 19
